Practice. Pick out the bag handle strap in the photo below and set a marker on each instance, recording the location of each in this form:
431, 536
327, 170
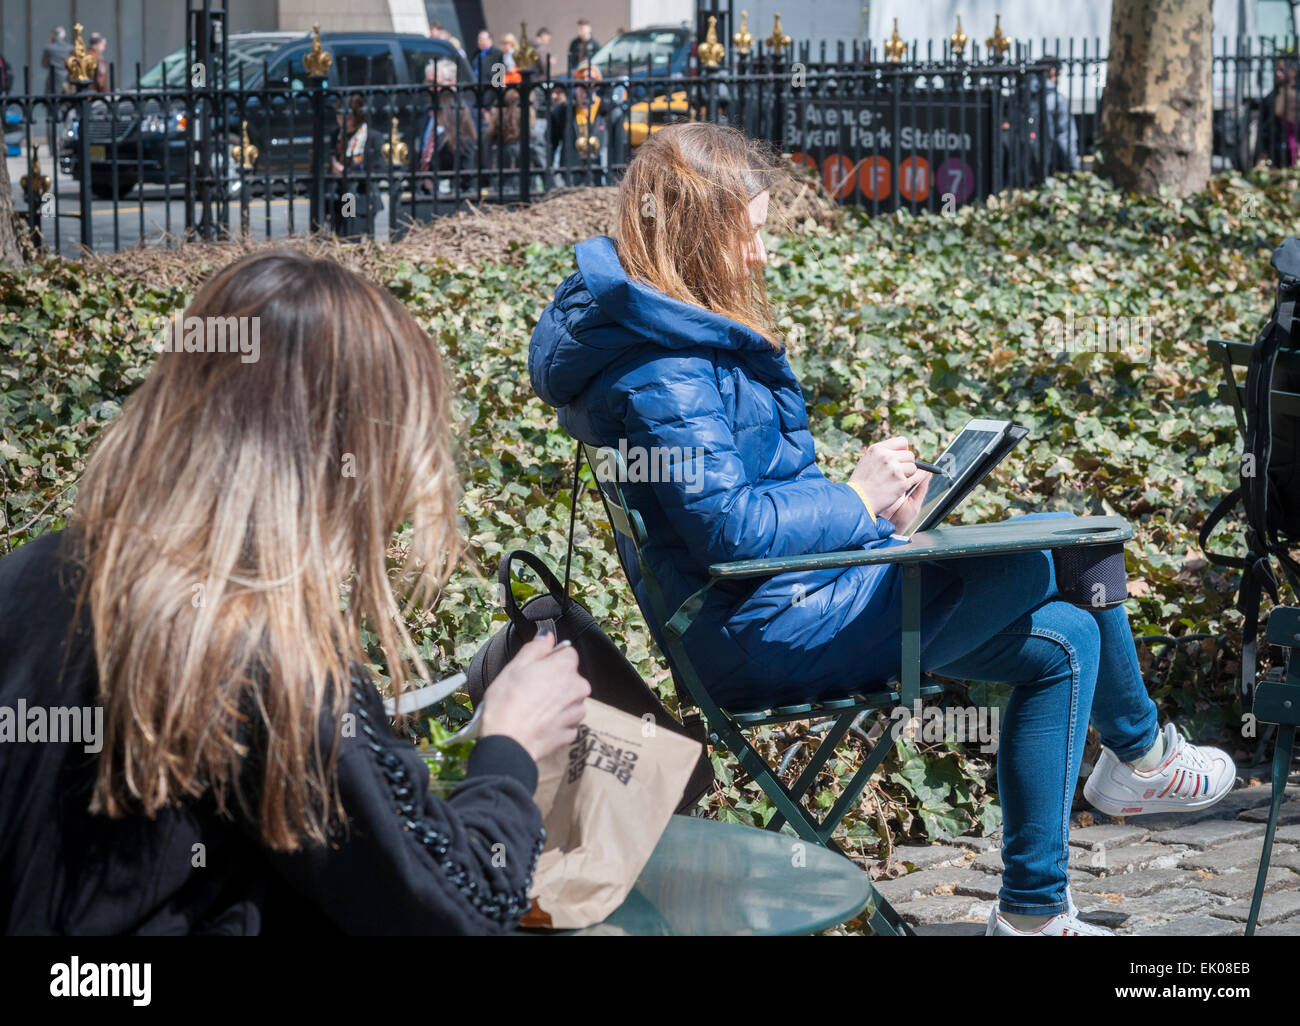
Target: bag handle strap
538, 565
573, 516
543, 571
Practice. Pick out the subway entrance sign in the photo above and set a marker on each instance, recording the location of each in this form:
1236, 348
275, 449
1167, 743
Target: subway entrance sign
894, 141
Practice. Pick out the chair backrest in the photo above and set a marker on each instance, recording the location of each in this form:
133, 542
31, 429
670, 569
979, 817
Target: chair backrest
1229, 355
610, 471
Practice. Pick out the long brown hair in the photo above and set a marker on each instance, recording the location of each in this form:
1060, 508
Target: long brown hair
234, 525
683, 219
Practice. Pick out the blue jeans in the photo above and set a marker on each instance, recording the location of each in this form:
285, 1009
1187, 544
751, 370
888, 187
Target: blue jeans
1063, 662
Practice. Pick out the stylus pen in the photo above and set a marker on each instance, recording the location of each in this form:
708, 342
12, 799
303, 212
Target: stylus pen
928, 467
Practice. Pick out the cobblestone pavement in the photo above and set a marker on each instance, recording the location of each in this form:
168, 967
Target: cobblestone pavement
1189, 874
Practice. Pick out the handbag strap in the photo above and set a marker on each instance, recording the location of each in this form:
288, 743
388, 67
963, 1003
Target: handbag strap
539, 567
573, 516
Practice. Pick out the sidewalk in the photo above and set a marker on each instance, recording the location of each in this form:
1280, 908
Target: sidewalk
1161, 875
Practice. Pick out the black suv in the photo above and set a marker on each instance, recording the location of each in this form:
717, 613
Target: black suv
142, 132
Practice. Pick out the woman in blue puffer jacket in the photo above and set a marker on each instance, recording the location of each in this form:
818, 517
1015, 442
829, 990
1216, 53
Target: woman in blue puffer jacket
662, 345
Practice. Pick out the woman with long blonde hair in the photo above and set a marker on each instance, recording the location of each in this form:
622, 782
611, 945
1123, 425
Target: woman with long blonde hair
204, 610
663, 342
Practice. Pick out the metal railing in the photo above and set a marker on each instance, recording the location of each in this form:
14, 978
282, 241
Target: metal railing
212, 159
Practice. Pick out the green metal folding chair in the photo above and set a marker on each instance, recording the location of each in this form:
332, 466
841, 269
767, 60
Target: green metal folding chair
1277, 696
727, 727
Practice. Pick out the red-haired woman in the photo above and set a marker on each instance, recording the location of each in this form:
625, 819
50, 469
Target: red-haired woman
663, 342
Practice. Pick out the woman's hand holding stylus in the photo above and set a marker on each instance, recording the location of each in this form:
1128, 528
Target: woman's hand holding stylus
885, 474
905, 510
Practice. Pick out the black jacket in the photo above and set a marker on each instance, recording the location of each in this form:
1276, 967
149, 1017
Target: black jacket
483, 63
580, 51
410, 862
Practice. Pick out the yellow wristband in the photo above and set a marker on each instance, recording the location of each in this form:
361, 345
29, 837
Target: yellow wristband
862, 495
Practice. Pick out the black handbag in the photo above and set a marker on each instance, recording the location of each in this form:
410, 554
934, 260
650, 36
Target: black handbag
614, 681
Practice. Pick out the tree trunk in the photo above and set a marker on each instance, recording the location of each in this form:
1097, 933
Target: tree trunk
10, 255
1158, 111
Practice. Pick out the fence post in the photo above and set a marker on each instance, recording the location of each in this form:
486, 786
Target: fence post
711, 54
81, 68
742, 45
35, 185
316, 62
525, 62
999, 141
896, 152
245, 155
777, 43
201, 115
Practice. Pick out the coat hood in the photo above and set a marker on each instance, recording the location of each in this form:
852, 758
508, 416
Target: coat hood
598, 313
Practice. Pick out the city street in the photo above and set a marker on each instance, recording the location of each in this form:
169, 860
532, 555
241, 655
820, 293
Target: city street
151, 213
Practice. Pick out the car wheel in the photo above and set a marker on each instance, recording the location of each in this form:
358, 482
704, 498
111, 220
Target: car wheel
103, 188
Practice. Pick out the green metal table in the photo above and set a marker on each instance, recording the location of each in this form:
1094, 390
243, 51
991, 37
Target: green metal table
720, 879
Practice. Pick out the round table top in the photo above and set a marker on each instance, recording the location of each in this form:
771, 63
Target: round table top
711, 878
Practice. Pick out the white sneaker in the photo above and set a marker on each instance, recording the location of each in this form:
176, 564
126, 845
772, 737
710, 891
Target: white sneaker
1190, 777
1064, 924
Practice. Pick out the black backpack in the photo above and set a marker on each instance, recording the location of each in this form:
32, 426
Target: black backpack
614, 681
1270, 465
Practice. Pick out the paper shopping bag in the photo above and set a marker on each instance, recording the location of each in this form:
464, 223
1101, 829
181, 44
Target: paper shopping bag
605, 800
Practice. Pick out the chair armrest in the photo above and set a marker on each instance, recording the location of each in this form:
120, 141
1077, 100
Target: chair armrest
958, 542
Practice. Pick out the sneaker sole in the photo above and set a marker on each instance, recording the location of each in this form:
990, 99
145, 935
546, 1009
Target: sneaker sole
1111, 807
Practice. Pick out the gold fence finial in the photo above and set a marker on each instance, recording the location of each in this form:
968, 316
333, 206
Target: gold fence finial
895, 48
395, 151
711, 51
244, 153
743, 40
316, 61
959, 39
778, 40
997, 43
81, 63
40, 183
526, 57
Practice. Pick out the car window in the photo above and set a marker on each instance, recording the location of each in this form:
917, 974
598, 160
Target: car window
243, 60
417, 53
170, 71
363, 64
640, 49
287, 71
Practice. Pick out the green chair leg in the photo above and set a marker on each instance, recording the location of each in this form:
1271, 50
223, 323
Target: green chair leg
821, 754
1283, 750
884, 919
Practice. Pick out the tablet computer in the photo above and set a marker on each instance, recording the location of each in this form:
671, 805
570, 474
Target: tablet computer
969, 458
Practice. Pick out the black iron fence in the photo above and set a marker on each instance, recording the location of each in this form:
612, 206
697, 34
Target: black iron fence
281, 153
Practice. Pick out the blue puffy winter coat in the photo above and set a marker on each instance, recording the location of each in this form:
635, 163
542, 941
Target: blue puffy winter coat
626, 365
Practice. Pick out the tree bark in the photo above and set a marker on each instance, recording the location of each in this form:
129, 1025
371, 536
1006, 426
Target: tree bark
1158, 110
11, 255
